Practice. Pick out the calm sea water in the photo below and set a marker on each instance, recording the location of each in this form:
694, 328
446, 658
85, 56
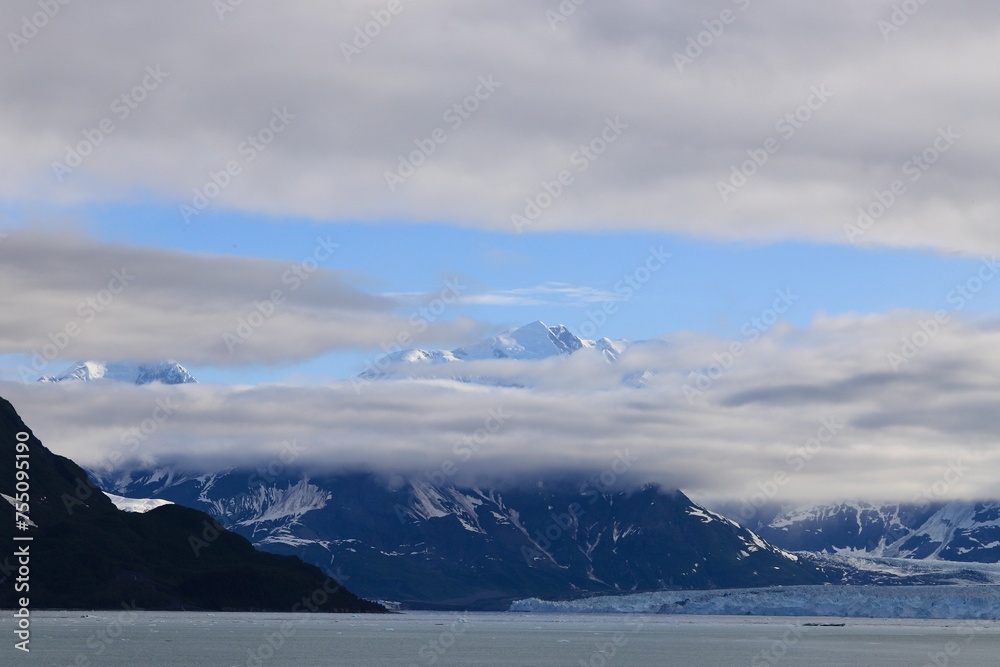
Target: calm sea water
133, 639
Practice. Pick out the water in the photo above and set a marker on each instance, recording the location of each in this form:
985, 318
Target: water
134, 639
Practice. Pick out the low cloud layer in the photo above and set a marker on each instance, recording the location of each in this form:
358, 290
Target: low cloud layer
819, 414
728, 119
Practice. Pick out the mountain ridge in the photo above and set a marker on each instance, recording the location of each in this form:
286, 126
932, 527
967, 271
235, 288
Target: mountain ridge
954, 531
132, 372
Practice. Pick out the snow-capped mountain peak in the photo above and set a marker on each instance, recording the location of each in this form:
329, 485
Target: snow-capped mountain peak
611, 349
535, 341
139, 373
532, 341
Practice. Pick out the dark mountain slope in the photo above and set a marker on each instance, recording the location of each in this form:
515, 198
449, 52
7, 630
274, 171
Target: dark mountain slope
87, 554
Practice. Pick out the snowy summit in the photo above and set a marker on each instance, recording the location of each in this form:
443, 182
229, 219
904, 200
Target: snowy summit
167, 372
530, 342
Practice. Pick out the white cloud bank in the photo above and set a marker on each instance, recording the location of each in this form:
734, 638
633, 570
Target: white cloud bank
837, 100
820, 413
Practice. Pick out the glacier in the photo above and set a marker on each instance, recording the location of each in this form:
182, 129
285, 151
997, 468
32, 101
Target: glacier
928, 602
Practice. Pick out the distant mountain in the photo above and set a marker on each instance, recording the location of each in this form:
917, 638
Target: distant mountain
537, 341
429, 544
167, 372
84, 553
964, 532
532, 342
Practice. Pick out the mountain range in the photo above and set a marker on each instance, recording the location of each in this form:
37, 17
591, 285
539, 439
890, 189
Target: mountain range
955, 531
532, 342
167, 372
431, 544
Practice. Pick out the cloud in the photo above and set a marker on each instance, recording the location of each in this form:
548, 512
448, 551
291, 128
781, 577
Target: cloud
593, 123
549, 294
887, 96
67, 296
821, 406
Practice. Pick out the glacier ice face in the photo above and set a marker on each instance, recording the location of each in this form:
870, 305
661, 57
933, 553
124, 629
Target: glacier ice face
941, 602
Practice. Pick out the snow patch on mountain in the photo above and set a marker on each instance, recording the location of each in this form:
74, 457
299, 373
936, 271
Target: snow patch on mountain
708, 516
431, 502
137, 505
13, 503
290, 503
283, 535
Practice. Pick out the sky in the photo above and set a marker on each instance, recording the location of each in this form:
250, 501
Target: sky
362, 176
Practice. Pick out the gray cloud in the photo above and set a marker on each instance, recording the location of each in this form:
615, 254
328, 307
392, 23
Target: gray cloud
835, 392
685, 128
68, 296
